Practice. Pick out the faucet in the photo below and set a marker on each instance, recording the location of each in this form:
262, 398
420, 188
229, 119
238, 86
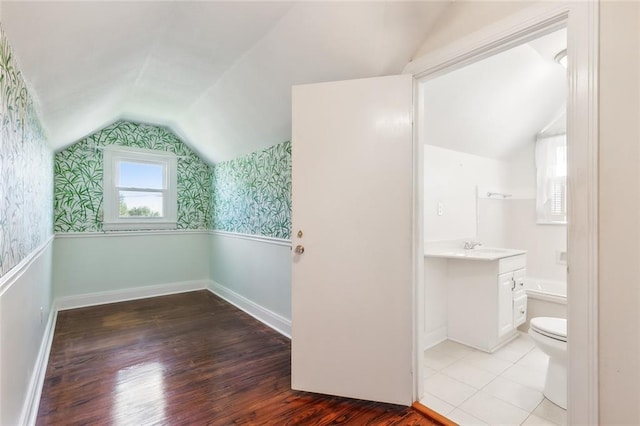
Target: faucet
468, 245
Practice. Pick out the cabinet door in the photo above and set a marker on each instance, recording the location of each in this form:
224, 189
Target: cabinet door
518, 276
519, 310
505, 303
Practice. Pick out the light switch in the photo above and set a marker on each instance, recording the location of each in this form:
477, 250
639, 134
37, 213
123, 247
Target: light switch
440, 209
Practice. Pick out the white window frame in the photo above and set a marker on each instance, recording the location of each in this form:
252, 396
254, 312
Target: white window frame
551, 180
112, 221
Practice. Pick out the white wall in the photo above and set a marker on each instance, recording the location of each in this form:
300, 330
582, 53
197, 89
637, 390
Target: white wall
450, 178
86, 263
619, 210
257, 269
435, 298
24, 291
520, 229
465, 17
543, 243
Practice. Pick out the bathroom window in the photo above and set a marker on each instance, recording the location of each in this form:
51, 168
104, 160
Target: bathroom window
551, 167
139, 189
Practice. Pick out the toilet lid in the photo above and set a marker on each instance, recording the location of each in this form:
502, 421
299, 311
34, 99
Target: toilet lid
556, 328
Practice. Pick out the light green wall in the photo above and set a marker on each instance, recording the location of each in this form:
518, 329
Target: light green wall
78, 177
26, 163
252, 194
101, 263
257, 270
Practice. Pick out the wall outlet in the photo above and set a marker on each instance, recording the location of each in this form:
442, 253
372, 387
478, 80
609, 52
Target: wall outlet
440, 209
41, 314
561, 257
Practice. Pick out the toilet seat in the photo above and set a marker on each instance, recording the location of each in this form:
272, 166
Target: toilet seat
554, 328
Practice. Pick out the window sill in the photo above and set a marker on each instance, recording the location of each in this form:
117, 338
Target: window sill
139, 226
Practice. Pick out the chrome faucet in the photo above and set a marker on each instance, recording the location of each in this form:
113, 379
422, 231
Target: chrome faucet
468, 245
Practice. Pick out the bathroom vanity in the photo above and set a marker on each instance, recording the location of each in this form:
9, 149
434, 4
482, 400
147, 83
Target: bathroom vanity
486, 298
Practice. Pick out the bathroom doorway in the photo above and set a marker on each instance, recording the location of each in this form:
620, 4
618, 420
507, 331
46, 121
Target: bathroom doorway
495, 232
580, 170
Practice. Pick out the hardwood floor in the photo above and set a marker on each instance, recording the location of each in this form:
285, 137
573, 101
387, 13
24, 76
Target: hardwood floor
185, 359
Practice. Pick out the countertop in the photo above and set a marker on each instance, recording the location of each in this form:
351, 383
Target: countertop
479, 253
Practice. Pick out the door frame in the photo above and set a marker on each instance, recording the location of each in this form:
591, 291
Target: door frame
582, 22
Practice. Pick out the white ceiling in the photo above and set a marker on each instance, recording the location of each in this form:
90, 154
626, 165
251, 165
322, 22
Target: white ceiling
495, 107
218, 73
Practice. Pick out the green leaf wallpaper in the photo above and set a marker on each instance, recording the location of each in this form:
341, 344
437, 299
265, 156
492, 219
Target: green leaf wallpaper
252, 194
26, 168
78, 177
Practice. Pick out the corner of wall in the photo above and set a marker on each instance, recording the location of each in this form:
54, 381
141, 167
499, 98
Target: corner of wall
25, 249
249, 250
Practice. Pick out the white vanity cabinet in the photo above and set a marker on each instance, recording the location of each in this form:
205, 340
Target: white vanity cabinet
486, 300
512, 303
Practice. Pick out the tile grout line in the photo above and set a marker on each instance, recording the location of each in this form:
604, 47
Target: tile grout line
496, 375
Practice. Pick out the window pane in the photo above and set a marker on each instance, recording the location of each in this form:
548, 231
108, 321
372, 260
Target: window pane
140, 175
140, 204
561, 161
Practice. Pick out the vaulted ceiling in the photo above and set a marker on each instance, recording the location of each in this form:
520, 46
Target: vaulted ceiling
497, 106
217, 73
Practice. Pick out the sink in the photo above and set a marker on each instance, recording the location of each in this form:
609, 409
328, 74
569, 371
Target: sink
482, 253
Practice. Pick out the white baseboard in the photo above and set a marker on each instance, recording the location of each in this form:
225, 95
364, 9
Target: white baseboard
262, 314
103, 297
32, 400
434, 337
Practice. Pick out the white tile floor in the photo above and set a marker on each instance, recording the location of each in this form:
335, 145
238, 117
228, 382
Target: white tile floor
472, 387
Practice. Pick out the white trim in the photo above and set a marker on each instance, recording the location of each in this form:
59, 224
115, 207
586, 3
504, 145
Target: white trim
64, 235
258, 238
143, 153
431, 339
123, 295
139, 224
582, 244
34, 392
417, 259
547, 297
582, 21
520, 27
12, 275
112, 156
276, 321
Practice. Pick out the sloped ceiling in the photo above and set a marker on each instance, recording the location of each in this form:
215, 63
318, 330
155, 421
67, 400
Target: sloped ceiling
218, 73
497, 106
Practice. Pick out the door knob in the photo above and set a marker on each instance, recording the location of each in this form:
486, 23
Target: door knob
299, 249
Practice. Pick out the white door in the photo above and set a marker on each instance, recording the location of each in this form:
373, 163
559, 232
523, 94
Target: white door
352, 189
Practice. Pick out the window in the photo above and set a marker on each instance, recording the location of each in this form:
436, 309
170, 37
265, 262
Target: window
551, 166
139, 189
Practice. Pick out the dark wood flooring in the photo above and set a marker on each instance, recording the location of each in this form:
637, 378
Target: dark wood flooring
185, 359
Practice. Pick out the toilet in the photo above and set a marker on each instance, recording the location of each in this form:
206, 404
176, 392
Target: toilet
550, 335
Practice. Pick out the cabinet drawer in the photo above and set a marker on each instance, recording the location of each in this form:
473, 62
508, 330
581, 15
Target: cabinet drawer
512, 263
518, 278
519, 310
